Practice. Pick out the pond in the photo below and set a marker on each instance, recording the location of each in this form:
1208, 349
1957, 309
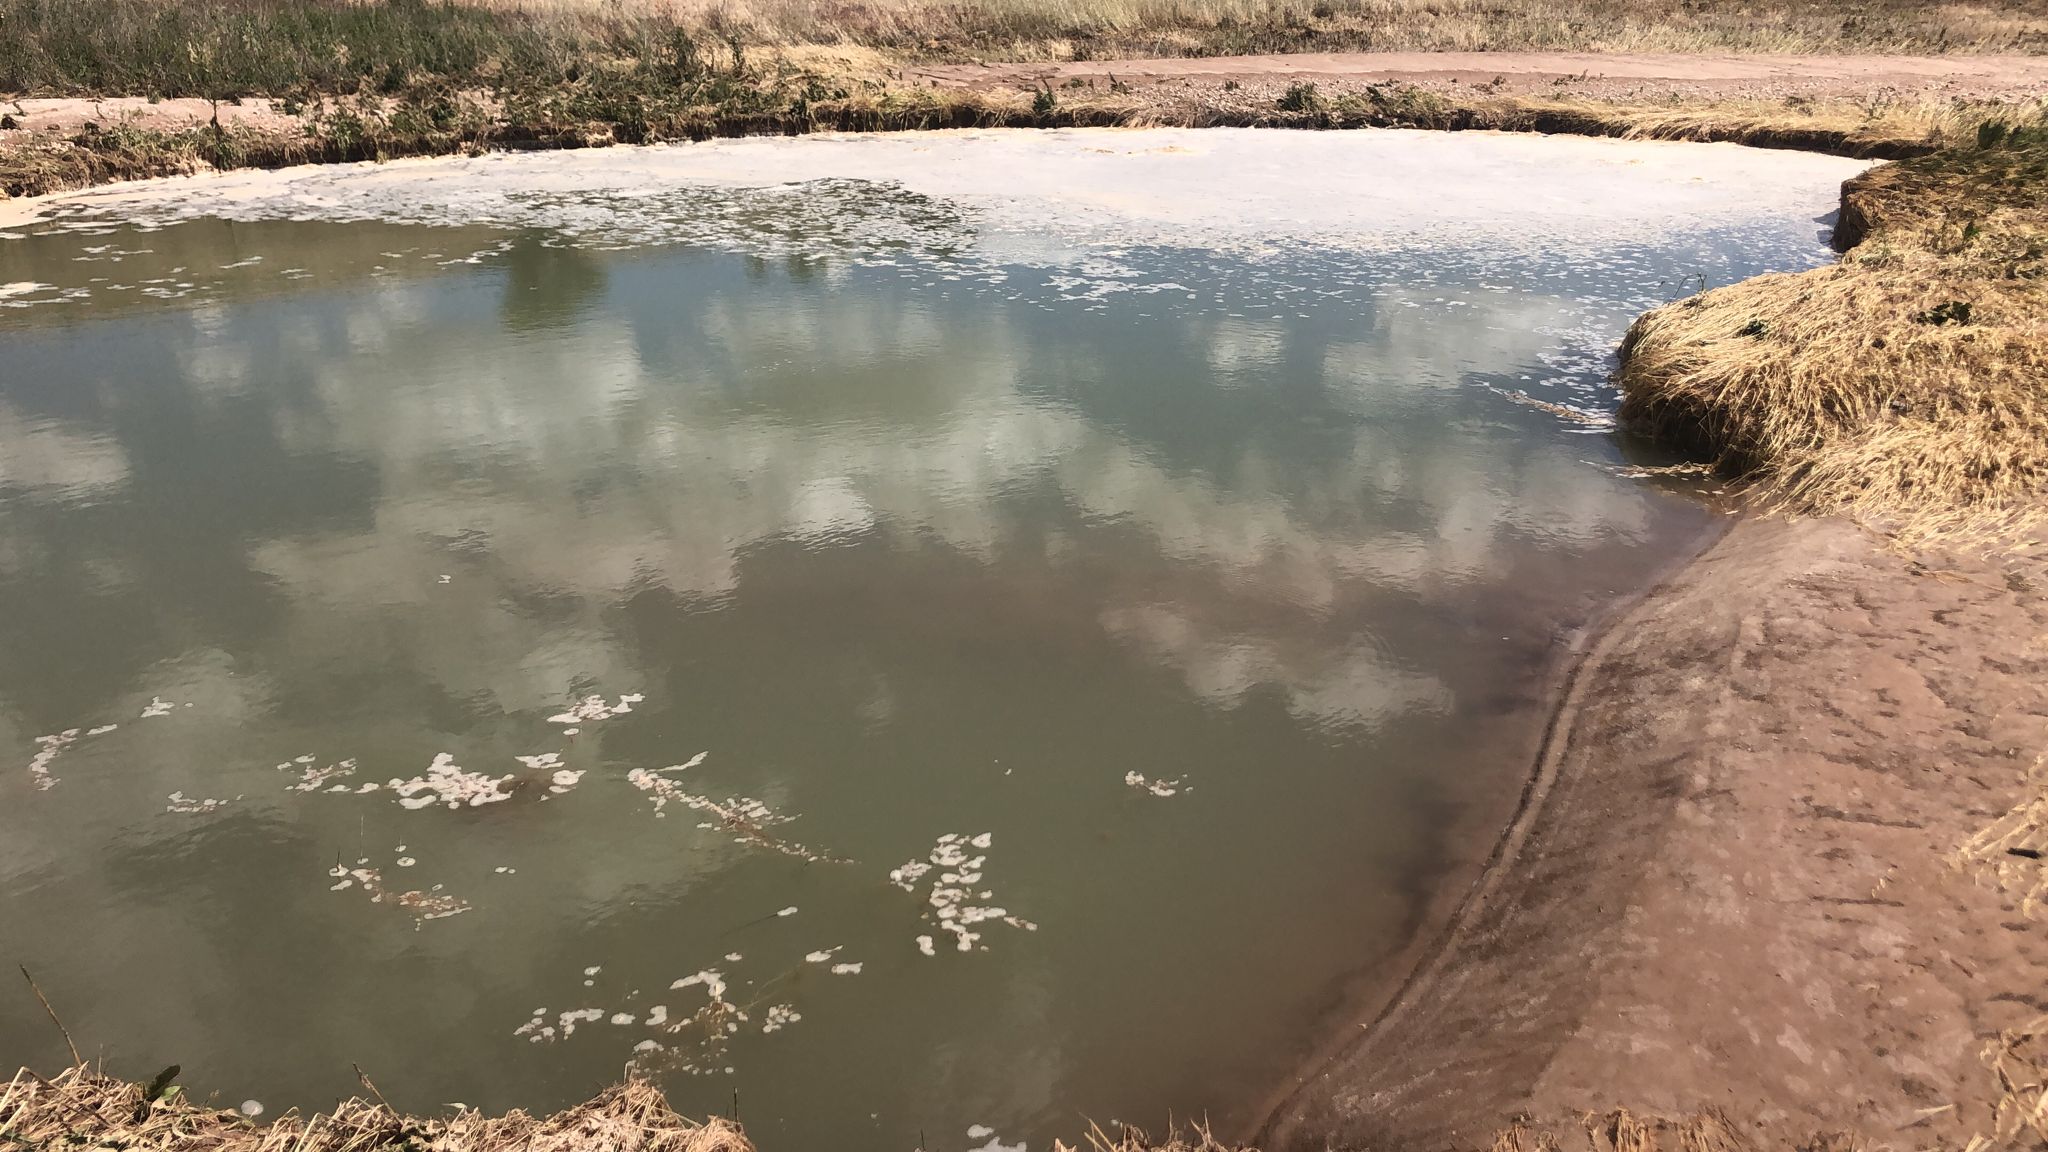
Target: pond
927, 640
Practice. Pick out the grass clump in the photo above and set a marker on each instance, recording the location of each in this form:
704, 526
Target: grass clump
2018, 1059
1906, 385
84, 1108
1300, 96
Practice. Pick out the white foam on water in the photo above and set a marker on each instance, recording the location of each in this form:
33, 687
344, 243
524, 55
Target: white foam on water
1044, 197
188, 805
447, 782
591, 709
1155, 787
952, 900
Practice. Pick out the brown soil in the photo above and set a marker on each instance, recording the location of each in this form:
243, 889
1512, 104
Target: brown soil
1732, 884
1544, 73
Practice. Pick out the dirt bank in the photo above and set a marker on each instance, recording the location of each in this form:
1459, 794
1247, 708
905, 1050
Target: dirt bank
1877, 107
1742, 889
1883, 79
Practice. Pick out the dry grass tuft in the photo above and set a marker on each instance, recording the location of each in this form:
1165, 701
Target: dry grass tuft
2013, 852
83, 1108
1197, 1138
1707, 1130
1517, 1137
1906, 385
2019, 1059
1620, 1130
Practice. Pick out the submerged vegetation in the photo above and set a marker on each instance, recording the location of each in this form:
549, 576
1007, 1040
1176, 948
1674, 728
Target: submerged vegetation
1906, 385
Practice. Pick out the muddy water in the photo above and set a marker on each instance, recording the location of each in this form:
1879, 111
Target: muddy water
929, 663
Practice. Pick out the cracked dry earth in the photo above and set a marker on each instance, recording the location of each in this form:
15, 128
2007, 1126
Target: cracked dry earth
1743, 889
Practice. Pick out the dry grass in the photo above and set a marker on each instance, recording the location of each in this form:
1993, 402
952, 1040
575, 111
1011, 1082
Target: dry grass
1906, 385
82, 1108
1620, 1130
2012, 853
1197, 1138
1879, 128
274, 47
2018, 1058
1069, 29
1871, 127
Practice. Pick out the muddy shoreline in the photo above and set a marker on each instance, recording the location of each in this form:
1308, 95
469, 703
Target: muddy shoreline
1738, 886
1377, 996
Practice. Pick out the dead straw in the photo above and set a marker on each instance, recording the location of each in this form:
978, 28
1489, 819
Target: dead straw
1907, 385
81, 1107
45, 1001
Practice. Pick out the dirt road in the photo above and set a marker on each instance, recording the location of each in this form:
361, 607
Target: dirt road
1975, 77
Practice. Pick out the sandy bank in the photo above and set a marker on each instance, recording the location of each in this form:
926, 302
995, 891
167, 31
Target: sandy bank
1742, 889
